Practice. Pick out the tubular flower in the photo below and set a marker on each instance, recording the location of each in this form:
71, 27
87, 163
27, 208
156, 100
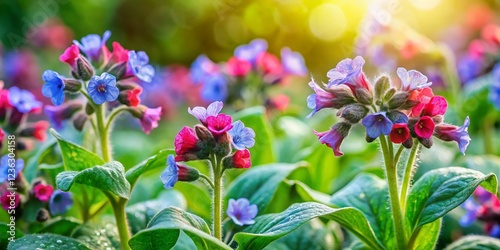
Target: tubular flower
92, 45
349, 72
219, 124
201, 113
53, 87
186, 144
333, 138
399, 133
447, 132
377, 124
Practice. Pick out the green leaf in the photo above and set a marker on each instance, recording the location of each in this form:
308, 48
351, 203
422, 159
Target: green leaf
270, 227
157, 161
6, 234
369, 194
259, 184
164, 229
199, 198
33, 163
439, 191
43, 241
475, 242
255, 118
313, 235
483, 163
101, 235
109, 178
75, 157
323, 167
63, 226
426, 237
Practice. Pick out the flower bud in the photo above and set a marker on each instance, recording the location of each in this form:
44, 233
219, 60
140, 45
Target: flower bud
408, 143
186, 173
364, 96
85, 71
427, 142
240, 159
381, 86
130, 97
72, 85
389, 94
42, 215
89, 110
118, 70
353, 113
409, 104
437, 119
369, 139
398, 100
204, 134
341, 95
79, 121
38, 130
223, 145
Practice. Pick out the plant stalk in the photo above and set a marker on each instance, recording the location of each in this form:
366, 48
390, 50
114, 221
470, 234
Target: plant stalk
408, 172
103, 133
217, 197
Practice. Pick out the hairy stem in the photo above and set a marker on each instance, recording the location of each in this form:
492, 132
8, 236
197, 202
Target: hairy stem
103, 132
217, 198
408, 172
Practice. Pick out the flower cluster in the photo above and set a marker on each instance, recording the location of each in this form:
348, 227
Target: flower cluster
99, 75
252, 68
217, 137
405, 111
485, 207
15, 106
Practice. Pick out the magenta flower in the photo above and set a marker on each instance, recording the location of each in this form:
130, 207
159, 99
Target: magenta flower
219, 124
377, 124
412, 80
424, 128
149, 119
202, 113
333, 138
70, 56
448, 132
241, 211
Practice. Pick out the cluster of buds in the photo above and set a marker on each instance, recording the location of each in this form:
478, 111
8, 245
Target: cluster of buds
217, 137
405, 111
485, 207
100, 75
252, 66
15, 106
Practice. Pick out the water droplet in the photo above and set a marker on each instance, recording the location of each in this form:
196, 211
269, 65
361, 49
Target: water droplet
39, 236
42, 245
59, 241
52, 246
106, 244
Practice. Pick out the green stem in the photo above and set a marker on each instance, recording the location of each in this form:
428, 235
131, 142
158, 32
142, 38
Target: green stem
392, 181
121, 223
98, 210
103, 133
207, 179
408, 172
398, 155
113, 115
217, 198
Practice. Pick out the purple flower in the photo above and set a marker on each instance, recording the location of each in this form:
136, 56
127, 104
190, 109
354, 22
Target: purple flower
412, 80
249, 52
377, 124
201, 68
215, 88
60, 202
5, 163
138, 64
241, 212
320, 99
293, 62
469, 68
57, 114
242, 137
448, 132
103, 88
23, 100
170, 175
149, 119
349, 72
333, 138
472, 209
201, 113
53, 87
92, 44
495, 87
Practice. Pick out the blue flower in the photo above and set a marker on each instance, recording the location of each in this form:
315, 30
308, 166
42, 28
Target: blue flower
215, 88
103, 88
53, 87
347, 71
412, 80
293, 62
377, 124
249, 52
23, 100
241, 212
242, 137
138, 63
92, 44
469, 68
202, 68
170, 175
60, 202
470, 215
5, 163
495, 87
201, 113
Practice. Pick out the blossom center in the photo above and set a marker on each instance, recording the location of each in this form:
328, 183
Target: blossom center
101, 87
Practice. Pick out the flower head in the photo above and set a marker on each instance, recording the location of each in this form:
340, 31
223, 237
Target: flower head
241, 159
203, 67
186, 144
437, 106
219, 124
103, 88
335, 97
215, 88
293, 62
149, 119
412, 80
53, 87
241, 211
120, 55
349, 72
377, 124
423, 96
333, 138
43, 192
139, 65
177, 172
269, 64
249, 52
202, 113
5, 164
424, 128
70, 55
242, 137
237, 67
23, 100
9, 200
92, 45
399, 133
60, 202
447, 132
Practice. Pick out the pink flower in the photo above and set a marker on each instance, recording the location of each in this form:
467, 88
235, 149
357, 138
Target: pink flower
448, 132
43, 192
149, 119
423, 96
9, 200
219, 124
70, 55
241, 159
424, 128
269, 64
238, 67
333, 138
133, 97
119, 55
186, 144
436, 106
40, 130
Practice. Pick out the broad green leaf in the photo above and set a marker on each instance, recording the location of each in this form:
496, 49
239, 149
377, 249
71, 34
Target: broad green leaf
441, 190
164, 229
63, 226
75, 157
33, 162
323, 167
313, 235
255, 118
157, 161
426, 236
475, 242
309, 194
43, 241
140, 214
109, 178
6, 234
270, 227
199, 198
483, 163
101, 235
369, 194
260, 183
